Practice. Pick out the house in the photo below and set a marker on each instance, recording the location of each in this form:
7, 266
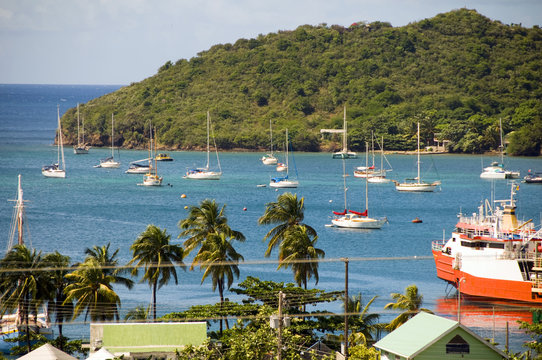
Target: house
428, 336
144, 340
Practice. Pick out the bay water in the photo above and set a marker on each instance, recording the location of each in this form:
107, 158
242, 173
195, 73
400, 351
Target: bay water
95, 206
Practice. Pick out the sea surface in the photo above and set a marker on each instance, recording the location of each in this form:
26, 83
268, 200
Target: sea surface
94, 206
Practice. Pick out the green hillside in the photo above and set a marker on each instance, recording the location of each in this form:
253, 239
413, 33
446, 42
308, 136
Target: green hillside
457, 73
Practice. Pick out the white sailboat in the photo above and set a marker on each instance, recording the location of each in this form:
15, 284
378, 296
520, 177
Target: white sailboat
496, 170
379, 176
205, 173
12, 325
270, 159
58, 169
354, 219
344, 153
151, 178
139, 167
416, 184
80, 148
284, 181
110, 162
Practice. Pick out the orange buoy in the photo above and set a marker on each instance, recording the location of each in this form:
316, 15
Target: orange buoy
183, 196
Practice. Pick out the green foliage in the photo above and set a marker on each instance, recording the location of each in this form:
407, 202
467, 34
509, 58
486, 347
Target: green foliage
456, 65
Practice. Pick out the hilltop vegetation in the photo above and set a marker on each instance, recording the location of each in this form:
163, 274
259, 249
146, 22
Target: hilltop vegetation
457, 73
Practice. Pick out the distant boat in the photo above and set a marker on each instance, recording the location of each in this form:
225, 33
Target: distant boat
416, 184
344, 153
80, 148
270, 159
205, 173
355, 219
284, 181
11, 325
58, 169
533, 177
138, 167
374, 174
110, 161
163, 157
152, 178
496, 170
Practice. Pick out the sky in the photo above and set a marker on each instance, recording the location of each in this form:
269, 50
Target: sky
119, 42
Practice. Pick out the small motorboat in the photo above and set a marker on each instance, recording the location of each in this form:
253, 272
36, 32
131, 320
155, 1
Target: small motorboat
163, 157
533, 177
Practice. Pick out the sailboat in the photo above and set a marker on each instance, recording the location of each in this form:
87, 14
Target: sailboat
416, 184
367, 171
80, 148
354, 219
344, 153
110, 161
205, 173
139, 167
379, 176
270, 159
12, 325
496, 170
284, 181
151, 178
58, 169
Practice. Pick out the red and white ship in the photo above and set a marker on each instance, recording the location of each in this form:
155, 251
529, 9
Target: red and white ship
492, 254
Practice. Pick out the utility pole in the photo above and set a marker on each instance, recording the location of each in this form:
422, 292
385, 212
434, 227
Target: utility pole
345, 308
279, 341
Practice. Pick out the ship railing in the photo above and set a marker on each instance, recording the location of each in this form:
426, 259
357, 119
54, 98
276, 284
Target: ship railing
437, 245
536, 284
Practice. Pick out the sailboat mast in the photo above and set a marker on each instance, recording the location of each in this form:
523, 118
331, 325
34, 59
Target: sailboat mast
344, 185
78, 137
501, 147
382, 156
60, 144
208, 120
345, 147
373, 148
419, 179
271, 136
287, 166
366, 175
112, 141
20, 213
154, 155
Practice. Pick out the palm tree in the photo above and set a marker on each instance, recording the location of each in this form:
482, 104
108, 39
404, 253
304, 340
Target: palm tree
63, 310
298, 251
205, 220
109, 263
219, 259
23, 290
153, 251
411, 302
287, 211
366, 324
91, 287
140, 312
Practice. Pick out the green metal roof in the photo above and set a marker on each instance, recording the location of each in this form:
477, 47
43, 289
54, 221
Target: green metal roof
416, 334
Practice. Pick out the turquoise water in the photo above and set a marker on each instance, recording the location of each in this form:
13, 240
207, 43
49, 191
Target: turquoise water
96, 206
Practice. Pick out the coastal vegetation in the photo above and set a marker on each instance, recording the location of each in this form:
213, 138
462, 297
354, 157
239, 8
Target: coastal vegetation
30, 280
457, 73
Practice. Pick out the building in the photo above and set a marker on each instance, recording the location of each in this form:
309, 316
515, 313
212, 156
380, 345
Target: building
140, 341
427, 336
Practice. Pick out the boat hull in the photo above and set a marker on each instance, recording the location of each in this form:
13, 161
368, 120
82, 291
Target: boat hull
269, 160
204, 175
80, 151
284, 184
358, 222
152, 180
472, 285
54, 173
143, 170
345, 155
110, 164
415, 187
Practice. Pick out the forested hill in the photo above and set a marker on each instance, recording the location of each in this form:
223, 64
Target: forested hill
457, 73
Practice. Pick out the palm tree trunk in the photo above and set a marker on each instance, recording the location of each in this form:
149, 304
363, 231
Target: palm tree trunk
154, 300
221, 292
